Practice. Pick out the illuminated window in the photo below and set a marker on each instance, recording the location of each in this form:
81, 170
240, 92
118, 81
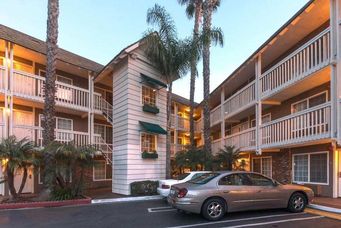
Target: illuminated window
148, 142
148, 96
262, 165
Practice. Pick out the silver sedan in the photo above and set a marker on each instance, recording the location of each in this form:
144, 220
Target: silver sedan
214, 194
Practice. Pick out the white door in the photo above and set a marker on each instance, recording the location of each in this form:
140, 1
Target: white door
22, 124
28, 188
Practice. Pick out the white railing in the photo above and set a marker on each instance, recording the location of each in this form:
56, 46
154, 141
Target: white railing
31, 86
216, 115
2, 78
104, 148
307, 125
97, 101
183, 124
216, 146
307, 59
25, 131
240, 100
244, 140
176, 148
198, 125
107, 110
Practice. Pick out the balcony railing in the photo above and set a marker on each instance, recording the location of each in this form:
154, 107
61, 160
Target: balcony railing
309, 58
307, 125
198, 125
244, 140
216, 146
2, 78
240, 100
216, 115
31, 86
176, 148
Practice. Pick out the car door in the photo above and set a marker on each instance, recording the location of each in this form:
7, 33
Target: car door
237, 191
267, 194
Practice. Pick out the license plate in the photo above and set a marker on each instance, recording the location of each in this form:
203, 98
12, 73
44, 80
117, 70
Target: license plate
172, 191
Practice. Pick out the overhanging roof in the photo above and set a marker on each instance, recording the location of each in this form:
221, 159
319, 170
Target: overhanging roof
152, 128
153, 81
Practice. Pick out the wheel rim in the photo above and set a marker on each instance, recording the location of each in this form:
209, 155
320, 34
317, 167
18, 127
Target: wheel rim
214, 209
298, 202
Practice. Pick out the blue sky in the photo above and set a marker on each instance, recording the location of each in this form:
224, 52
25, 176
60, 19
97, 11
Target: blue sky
99, 29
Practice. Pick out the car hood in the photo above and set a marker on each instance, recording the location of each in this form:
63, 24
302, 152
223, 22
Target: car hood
296, 187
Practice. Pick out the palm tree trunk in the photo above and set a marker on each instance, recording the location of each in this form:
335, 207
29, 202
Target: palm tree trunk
50, 90
198, 7
168, 136
206, 75
10, 181
23, 181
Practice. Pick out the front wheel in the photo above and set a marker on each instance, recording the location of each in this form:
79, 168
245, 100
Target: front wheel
213, 209
297, 202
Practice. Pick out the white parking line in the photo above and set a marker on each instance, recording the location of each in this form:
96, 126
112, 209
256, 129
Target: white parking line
274, 222
235, 220
160, 209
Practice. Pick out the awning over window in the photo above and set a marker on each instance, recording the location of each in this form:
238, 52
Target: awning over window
153, 81
152, 128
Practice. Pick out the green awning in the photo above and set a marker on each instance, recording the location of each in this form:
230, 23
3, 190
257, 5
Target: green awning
153, 81
152, 128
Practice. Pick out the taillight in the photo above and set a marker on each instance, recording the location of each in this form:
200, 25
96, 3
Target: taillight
182, 192
164, 186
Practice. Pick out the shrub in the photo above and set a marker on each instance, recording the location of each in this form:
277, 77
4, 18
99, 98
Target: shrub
62, 194
144, 188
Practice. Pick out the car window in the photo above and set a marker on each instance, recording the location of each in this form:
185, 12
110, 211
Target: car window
204, 178
235, 179
259, 180
196, 175
182, 176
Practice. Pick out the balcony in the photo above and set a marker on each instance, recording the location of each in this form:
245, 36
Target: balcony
243, 141
306, 60
241, 100
302, 127
216, 146
176, 148
216, 115
179, 123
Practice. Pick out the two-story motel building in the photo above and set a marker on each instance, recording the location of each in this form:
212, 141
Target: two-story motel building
281, 108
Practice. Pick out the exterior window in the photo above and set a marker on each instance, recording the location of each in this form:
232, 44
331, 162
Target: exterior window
148, 96
101, 171
309, 102
105, 131
311, 168
148, 142
64, 124
262, 165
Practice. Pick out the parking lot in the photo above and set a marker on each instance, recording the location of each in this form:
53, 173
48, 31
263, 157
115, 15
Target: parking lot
154, 213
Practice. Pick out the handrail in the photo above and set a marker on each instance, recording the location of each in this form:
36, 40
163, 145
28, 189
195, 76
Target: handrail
240, 91
240, 133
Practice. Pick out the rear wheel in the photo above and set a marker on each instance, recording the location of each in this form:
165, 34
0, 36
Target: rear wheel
297, 202
213, 209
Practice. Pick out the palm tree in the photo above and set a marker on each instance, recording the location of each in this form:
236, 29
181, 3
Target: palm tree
208, 7
17, 155
194, 8
50, 89
169, 56
227, 158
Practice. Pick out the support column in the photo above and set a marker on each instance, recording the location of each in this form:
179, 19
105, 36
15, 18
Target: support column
222, 124
176, 121
91, 109
5, 111
258, 136
10, 94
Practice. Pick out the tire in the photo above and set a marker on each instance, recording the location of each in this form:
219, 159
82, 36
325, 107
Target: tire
297, 202
213, 209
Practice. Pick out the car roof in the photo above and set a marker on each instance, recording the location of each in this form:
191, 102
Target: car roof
200, 172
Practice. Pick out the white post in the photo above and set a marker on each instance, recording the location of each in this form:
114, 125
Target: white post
258, 137
11, 90
222, 125
176, 122
5, 114
90, 109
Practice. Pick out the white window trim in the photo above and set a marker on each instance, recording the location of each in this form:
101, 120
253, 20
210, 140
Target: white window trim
105, 170
57, 75
105, 128
261, 164
156, 141
156, 95
40, 126
307, 100
309, 182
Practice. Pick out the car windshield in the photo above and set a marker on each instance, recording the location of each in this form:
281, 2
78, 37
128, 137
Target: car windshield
182, 176
204, 178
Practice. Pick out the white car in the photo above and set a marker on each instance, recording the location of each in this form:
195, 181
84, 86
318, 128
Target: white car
165, 185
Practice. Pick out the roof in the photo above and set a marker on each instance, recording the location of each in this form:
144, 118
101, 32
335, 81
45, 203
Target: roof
182, 100
152, 128
37, 45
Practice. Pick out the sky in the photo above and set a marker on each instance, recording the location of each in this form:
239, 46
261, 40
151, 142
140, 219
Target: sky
99, 29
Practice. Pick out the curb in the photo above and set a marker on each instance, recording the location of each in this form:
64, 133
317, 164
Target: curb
126, 199
325, 208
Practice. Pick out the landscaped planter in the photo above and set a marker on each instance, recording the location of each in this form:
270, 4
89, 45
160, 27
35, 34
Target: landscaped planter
86, 200
150, 109
146, 155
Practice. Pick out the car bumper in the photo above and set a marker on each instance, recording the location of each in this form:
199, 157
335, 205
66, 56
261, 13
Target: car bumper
163, 192
185, 204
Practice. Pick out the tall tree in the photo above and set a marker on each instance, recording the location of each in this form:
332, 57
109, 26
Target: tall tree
169, 55
50, 90
208, 7
194, 8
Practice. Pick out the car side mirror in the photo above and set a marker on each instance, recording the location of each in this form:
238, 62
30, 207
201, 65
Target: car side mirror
275, 183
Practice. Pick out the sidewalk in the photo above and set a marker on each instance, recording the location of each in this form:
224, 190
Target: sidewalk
328, 202
328, 207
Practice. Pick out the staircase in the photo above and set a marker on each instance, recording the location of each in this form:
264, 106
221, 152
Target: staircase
103, 148
107, 111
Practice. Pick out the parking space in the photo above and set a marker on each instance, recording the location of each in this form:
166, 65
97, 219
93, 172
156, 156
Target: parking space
154, 213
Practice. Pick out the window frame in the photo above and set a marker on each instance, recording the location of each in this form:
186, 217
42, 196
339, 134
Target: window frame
307, 100
261, 164
106, 126
309, 154
156, 141
57, 75
105, 171
156, 96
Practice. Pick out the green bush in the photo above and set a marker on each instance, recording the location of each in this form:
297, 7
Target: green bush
62, 194
144, 188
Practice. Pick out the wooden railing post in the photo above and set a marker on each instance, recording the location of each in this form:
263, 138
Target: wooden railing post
258, 90
176, 127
